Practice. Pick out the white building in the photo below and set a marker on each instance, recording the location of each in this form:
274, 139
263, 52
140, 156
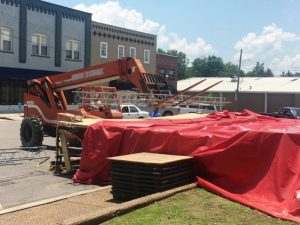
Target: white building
259, 94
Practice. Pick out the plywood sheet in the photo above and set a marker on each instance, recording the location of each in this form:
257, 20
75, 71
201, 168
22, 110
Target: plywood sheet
88, 121
150, 158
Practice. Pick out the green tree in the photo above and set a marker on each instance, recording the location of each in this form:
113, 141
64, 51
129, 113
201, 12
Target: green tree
159, 50
183, 62
231, 69
207, 67
215, 66
268, 73
259, 71
198, 68
297, 74
289, 74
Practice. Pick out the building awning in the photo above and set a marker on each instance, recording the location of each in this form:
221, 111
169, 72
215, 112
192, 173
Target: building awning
7, 73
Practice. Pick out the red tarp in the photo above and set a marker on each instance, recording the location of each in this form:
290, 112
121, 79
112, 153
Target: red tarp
248, 158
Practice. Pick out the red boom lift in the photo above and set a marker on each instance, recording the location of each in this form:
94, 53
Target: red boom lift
45, 96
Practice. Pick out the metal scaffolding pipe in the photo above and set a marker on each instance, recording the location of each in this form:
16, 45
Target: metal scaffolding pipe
181, 92
197, 94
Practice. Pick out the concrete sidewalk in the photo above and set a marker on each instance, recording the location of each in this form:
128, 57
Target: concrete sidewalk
92, 208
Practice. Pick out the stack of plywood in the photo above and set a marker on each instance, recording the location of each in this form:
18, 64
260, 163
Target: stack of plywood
141, 174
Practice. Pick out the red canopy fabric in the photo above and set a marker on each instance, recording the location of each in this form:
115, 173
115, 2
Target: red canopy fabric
246, 157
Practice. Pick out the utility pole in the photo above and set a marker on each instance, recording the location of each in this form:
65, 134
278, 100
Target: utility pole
238, 81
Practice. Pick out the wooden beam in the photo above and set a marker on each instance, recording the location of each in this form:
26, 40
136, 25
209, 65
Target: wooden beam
65, 150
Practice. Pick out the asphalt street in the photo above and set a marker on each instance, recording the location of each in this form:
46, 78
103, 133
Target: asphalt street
29, 181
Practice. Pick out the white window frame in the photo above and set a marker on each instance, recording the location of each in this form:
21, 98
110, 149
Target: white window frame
72, 43
102, 44
162, 72
40, 36
134, 55
146, 51
2, 38
119, 52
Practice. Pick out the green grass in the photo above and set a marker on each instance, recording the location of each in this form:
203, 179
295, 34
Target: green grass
196, 206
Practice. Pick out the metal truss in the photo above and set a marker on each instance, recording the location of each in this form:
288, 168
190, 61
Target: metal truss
14, 156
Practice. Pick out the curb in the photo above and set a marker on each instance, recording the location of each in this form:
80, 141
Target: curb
50, 200
99, 216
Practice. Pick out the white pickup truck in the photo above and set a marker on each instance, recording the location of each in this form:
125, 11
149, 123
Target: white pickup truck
203, 108
183, 109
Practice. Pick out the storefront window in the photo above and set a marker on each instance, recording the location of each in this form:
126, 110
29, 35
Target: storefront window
11, 92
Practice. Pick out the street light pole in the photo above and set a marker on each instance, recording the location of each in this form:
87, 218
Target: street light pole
238, 81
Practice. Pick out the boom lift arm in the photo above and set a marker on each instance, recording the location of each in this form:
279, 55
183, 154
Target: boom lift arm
50, 88
126, 68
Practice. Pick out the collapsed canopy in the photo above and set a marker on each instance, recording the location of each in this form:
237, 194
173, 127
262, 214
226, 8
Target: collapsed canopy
246, 157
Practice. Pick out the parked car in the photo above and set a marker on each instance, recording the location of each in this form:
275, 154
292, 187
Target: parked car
285, 112
289, 112
133, 112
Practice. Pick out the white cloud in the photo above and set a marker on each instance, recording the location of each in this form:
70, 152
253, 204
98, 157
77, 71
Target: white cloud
163, 38
111, 12
262, 47
194, 49
269, 41
291, 63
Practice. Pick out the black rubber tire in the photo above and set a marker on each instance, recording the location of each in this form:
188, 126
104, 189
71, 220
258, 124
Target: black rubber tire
141, 117
168, 113
31, 132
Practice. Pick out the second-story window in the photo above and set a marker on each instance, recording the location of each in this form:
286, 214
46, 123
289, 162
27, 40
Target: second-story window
120, 51
103, 49
132, 52
162, 72
5, 39
72, 49
40, 44
170, 75
147, 56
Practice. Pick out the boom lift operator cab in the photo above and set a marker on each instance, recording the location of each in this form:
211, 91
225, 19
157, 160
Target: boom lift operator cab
45, 97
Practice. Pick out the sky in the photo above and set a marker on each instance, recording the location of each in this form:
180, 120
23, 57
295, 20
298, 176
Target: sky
268, 31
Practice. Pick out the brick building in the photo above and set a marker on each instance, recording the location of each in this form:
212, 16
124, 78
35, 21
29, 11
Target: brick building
112, 42
167, 67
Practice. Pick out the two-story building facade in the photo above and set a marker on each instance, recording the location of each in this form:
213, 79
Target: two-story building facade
112, 43
37, 39
167, 67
